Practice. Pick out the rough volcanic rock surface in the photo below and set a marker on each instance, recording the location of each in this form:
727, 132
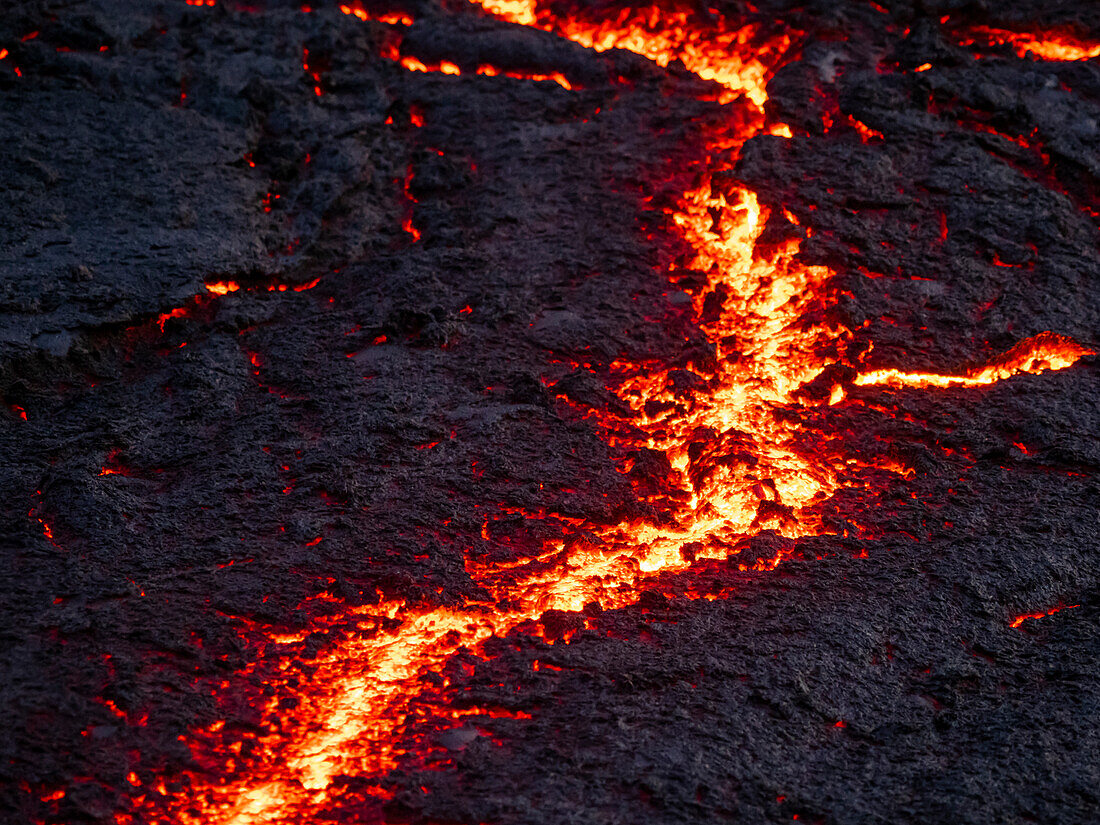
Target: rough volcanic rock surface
170, 456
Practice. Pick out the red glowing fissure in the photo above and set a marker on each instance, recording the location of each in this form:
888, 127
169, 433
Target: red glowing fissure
365, 693
1042, 614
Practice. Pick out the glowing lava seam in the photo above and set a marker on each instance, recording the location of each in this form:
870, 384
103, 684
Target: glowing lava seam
364, 693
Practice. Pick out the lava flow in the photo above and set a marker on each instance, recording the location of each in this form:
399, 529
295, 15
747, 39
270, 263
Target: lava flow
1046, 46
733, 446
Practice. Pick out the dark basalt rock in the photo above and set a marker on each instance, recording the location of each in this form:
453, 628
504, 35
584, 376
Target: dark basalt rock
419, 388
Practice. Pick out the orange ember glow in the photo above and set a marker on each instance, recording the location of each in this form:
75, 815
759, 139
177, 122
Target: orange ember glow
557, 77
738, 453
177, 312
446, 67
307, 285
1045, 351
866, 132
1044, 46
407, 223
1019, 620
392, 18
223, 287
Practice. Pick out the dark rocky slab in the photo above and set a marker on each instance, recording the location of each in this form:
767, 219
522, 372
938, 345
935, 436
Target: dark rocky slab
249, 425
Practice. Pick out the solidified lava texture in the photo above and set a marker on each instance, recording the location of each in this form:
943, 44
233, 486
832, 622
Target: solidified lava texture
550, 411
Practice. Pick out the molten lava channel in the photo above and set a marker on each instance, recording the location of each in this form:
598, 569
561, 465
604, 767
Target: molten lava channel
365, 692
1046, 46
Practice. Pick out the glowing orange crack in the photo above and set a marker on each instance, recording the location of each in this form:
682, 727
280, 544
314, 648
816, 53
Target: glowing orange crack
1042, 352
1042, 614
392, 18
446, 67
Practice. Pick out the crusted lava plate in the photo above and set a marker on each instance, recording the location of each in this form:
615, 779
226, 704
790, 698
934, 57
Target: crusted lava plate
549, 411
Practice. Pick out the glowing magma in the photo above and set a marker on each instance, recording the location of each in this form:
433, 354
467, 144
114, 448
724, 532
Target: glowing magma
446, 67
1042, 614
738, 468
1046, 46
1045, 351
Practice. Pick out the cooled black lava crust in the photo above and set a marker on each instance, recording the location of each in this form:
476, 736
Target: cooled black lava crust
194, 149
